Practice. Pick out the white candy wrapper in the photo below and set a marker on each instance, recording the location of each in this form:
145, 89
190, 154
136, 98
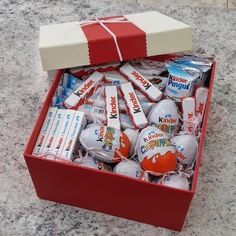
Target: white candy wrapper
176, 181
129, 168
93, 163
140, 82
114, 78
77, 125
188, 106
201, 98
133, 105
165, 116
186, 148
60, 140
54, 130
83, 89
42, 137
112, 110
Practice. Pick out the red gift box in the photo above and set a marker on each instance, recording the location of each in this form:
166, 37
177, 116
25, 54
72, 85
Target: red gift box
107, 192
104, 40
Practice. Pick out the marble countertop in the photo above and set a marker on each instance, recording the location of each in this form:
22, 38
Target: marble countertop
22, 90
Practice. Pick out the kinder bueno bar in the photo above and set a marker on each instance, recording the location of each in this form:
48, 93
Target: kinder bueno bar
54, 130
133, 105
201, 97
83, 89
77, 125
112, 110
141, 83
59, 141
45, 130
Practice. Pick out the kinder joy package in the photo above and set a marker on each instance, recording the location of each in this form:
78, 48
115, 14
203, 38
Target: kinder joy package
126, 111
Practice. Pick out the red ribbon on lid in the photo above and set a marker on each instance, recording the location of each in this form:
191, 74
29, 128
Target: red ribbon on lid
113, 39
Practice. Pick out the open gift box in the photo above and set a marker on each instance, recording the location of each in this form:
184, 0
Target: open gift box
92, 189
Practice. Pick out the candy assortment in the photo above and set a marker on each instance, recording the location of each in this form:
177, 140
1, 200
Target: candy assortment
141, 119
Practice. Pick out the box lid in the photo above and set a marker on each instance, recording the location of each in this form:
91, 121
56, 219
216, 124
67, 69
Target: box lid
112, 39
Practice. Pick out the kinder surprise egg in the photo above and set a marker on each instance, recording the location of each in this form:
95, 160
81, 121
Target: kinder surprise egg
186, 148
165, 116
105, 143
93, 163
155, 151
129, 168
176, 181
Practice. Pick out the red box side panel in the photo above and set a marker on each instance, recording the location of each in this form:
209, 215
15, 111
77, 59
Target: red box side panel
109, 193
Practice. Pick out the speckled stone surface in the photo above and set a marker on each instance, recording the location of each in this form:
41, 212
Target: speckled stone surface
22, 90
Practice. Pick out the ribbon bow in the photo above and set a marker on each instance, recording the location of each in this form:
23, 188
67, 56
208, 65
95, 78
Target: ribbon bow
108, 21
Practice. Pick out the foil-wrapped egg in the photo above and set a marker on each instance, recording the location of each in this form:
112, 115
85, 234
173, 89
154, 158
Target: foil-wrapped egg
186, 148
165, 116
129, 168
155, 151
105, 143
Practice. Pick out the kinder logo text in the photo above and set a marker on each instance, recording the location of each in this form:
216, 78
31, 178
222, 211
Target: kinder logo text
84, 89
167, 120
113, 105
100, 133
200, 108
134, 101
152, 136
179, 83
142, 80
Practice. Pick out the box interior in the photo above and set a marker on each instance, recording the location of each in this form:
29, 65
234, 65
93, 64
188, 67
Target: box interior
43, 112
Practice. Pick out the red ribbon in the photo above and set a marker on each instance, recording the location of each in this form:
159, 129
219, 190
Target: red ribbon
113, 39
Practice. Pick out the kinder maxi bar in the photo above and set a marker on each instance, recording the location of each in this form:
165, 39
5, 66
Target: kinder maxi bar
83, 89
47, 124
77, 125
133, 105
60, 140
54, 130
144, 85
112, 109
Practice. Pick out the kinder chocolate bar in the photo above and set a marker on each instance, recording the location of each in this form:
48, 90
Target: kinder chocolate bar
87, 70
54, 130
100, 102
83, 89
188, 105
133, 105
201, 97
181, 81
47, 124
77, 125
59, 141
112, 109
142, 83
